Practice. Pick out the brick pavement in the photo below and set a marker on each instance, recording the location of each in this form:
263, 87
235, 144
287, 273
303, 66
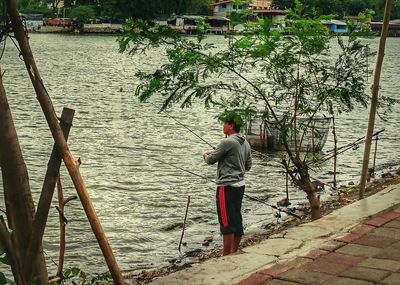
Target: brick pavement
368, 254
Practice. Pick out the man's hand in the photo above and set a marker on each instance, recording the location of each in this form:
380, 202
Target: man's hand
206, 153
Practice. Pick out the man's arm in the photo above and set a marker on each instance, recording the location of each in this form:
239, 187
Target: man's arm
249, 162
211, 157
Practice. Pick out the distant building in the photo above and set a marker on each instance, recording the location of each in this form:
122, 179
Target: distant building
335, 26
393, 31
33, 21
260, 8
188, 23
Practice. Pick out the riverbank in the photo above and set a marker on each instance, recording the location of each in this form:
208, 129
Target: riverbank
107, 28
346, 196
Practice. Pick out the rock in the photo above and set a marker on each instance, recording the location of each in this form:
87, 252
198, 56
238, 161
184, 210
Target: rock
283, 203
207, 240
387, 175
172, 226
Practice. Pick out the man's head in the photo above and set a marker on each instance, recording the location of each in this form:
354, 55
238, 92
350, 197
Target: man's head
232, 122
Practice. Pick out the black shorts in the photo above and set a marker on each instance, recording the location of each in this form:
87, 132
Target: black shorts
229, 206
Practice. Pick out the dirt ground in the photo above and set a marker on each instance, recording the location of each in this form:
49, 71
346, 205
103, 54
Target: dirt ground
344, 196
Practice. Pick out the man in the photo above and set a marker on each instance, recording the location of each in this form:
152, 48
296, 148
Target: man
233, 155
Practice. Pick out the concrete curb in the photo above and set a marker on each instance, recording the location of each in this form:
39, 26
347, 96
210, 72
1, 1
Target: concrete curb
286, 246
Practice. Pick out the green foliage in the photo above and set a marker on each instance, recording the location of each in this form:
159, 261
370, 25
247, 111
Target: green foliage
31, 7
78, 276
3, 256
4, 259
289, 76
82, 13
143, 9
342, 7
232, 116
295, 69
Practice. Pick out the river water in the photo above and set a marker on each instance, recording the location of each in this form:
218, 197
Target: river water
137, 197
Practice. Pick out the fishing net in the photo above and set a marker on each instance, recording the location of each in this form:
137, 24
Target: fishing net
309, 137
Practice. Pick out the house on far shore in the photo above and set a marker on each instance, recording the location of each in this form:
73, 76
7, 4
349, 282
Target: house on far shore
187, 23
335, 26
33, 21
260, 8
393, 31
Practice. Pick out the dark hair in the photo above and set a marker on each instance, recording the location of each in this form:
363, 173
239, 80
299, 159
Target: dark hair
232, 117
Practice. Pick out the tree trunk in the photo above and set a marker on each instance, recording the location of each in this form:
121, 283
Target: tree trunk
305, 184
315, 205
313, 199
18, 198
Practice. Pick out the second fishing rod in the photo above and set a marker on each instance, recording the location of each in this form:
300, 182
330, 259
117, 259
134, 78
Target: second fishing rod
246, 195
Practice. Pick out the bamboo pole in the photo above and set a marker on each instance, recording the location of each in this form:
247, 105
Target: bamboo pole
52, 173
374, 100
184, 224
334, 153
63, 222
375, 151
48, 110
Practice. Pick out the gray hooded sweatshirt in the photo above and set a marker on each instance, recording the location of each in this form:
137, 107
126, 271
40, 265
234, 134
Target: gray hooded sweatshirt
233, 155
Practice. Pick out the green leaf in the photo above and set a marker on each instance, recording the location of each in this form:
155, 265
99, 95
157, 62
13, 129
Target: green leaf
3, 279
2, 249
5, 260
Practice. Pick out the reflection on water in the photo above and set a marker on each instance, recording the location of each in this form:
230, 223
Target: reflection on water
116, 138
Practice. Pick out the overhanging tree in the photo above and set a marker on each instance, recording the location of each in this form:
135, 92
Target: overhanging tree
288, 76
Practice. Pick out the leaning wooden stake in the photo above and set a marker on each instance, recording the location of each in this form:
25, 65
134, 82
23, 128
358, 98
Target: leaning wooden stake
184, 224
48, 110
374, 100
52, 173
334, 153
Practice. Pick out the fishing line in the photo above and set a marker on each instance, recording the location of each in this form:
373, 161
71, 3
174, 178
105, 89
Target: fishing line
186, 127
194, 133
211, 180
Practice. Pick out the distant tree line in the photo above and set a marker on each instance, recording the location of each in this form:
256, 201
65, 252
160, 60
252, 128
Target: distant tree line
150, 9
116, 9
343, 8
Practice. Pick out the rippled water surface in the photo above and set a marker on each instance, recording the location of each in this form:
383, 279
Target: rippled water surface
137, 197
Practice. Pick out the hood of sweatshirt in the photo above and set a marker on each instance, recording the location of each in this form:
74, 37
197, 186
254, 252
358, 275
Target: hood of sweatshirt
239, 137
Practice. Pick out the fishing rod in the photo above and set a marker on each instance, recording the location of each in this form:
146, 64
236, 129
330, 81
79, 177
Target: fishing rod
183, 125
246, 195
194, 133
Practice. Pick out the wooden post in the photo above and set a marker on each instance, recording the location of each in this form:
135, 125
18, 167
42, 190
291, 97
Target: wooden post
51, 118
374, 100
184, 224
334, 152
376, 150
52, 173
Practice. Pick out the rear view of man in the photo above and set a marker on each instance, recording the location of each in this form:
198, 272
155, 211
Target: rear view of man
233, 155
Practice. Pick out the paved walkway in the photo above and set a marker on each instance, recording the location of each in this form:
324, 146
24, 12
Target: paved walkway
369, 254
358, 244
